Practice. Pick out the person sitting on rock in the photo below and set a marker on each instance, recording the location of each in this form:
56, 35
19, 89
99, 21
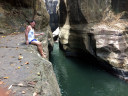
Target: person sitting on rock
30, 38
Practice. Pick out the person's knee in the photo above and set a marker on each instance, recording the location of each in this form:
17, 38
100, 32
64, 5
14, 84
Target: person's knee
39, 44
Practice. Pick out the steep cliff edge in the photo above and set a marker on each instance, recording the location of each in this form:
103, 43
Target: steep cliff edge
25, 71
98, 27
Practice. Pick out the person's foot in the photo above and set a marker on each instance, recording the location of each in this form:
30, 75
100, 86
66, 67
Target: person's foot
44, 55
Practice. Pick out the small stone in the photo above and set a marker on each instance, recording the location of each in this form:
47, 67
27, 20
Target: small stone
35, 94
14, 92
3, 36
1, 82
20, 84
26, 63
38, 73
23, 92
12, 64
22, 64
20, 57
6, 77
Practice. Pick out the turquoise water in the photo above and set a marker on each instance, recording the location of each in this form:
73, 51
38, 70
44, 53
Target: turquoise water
81, 78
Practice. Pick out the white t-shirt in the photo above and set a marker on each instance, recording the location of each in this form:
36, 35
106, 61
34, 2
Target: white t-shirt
31, 35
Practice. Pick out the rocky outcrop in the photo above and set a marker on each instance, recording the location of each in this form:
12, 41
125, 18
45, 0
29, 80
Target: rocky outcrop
16, 13
25, 70
55, 34
96, 27
37, 75
51, 8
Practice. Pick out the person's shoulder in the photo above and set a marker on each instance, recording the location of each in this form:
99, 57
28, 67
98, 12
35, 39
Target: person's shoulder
28, 27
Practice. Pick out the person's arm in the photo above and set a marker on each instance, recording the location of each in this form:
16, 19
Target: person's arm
26, 34
38, 34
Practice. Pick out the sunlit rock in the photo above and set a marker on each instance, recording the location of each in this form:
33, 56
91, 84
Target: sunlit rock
98, 27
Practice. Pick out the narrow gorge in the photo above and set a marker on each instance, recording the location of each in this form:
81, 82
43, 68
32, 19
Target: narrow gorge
89, 47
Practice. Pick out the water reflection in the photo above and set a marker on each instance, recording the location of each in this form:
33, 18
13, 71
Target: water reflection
83, 78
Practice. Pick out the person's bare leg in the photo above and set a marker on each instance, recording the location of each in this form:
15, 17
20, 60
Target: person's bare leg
39, 47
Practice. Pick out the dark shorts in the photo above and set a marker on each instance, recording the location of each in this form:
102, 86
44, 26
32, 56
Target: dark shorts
32, 40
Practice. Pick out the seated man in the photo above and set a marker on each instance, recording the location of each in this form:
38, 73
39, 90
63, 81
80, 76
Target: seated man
30, 38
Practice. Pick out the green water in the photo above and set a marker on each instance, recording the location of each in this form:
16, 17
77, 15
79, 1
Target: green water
81, 78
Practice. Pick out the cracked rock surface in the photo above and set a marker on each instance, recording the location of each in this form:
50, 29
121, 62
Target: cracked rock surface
24, 70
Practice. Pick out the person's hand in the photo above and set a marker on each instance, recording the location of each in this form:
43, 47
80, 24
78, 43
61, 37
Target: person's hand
27, 42
41, 33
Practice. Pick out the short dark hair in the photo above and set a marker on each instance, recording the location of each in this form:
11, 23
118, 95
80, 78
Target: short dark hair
31, 21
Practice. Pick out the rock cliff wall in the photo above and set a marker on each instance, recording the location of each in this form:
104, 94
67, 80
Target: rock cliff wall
25, 70
98, 27
14, 15
51, 8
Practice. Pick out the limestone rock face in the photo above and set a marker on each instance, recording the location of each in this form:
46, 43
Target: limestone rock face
98, 27
14, 15
31, 73
51, 6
